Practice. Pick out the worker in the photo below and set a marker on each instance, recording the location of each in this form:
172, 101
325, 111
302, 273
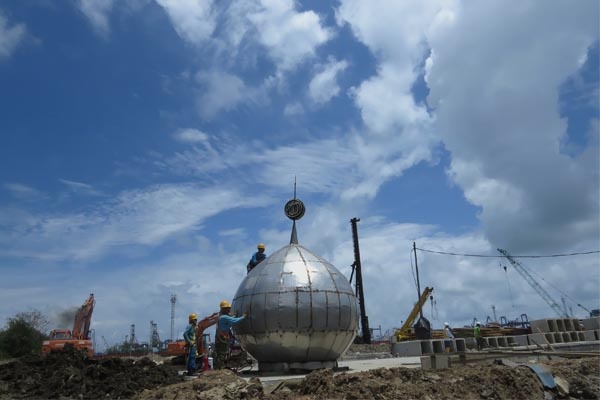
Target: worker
189, 335
257, 257
448, 331
477, 334
223, 333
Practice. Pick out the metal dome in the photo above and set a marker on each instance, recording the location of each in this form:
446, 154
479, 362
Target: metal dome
302, 311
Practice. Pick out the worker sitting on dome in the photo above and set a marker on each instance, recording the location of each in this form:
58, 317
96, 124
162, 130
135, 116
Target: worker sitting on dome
223, 333
257, 257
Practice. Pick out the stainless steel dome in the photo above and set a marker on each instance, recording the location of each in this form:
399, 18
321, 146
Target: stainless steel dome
302, 311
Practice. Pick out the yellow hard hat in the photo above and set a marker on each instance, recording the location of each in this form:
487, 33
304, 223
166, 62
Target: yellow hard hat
225, 304
193, 317
261, 246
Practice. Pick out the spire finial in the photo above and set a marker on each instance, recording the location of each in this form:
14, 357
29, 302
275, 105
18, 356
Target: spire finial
294, 210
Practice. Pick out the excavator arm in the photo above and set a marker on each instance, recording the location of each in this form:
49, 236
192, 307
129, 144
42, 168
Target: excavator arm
405, 328
201, 327
83, 319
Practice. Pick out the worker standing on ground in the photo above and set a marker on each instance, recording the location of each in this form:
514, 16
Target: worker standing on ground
477, 334
257, 257
223, 333
448, 331
189, 335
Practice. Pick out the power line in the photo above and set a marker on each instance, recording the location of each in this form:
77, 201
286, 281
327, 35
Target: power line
494, 256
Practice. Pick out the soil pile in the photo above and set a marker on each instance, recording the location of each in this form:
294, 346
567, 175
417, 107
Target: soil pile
68, 375
580, 380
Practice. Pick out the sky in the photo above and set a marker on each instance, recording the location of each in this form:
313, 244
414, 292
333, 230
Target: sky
149, 145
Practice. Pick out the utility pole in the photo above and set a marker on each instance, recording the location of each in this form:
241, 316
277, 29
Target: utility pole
364, 320
422, 327
173, 301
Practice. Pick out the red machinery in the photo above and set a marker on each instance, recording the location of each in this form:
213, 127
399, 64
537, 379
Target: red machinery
79, 336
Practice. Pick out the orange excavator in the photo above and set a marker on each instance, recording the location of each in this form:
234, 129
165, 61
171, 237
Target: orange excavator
177, 348
78, 337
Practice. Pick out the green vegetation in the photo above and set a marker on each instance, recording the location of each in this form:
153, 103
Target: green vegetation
23, 334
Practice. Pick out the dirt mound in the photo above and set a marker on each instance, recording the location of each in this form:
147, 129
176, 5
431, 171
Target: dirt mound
68, 375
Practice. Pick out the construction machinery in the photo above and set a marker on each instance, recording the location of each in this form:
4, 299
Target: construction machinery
406, 331
78, 337
522, 270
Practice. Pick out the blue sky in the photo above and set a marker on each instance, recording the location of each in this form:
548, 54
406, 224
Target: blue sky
148, 145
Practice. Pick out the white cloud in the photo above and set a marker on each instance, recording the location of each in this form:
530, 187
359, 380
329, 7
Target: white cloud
81, 188
97, 12
222, 91
24, 192
290, 37
191, 135
194, 20
294, 108
497, 112
137, 217
323, 86
10, 36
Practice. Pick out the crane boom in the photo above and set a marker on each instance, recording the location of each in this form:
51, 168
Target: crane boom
533, 283
404, 332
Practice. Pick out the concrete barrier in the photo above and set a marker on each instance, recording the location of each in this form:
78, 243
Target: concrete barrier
470, 343
539, 325
407, 349
437, 345
426, 347
566, 338
557, 337
560, 325
520, 340
569, 325
460, 344
591, 323
449, 346
589, 335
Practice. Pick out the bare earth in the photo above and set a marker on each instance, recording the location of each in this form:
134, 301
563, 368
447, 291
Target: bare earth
69, 376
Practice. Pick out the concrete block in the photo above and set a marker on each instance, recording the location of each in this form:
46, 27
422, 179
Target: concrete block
576, 325
557, 337
549, 337
568, 325
573, 336
502, 341
470, 343
449, 346
539, 325
591, 323
521, 340
437, 345
536, 338
589, 335
581, 336
597, 334
552, 325
560, 325
566, 338
460, 344
434, 362
426, 347
407, 349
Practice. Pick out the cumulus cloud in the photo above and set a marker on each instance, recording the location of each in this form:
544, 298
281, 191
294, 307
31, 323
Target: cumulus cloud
97, 12
10, 36
193, 20
323, 86
289, 36
501, 120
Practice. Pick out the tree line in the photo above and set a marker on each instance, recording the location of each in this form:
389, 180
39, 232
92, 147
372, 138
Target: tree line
23, 334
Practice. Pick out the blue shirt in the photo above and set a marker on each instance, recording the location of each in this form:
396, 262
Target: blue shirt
258, 257
189, 335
